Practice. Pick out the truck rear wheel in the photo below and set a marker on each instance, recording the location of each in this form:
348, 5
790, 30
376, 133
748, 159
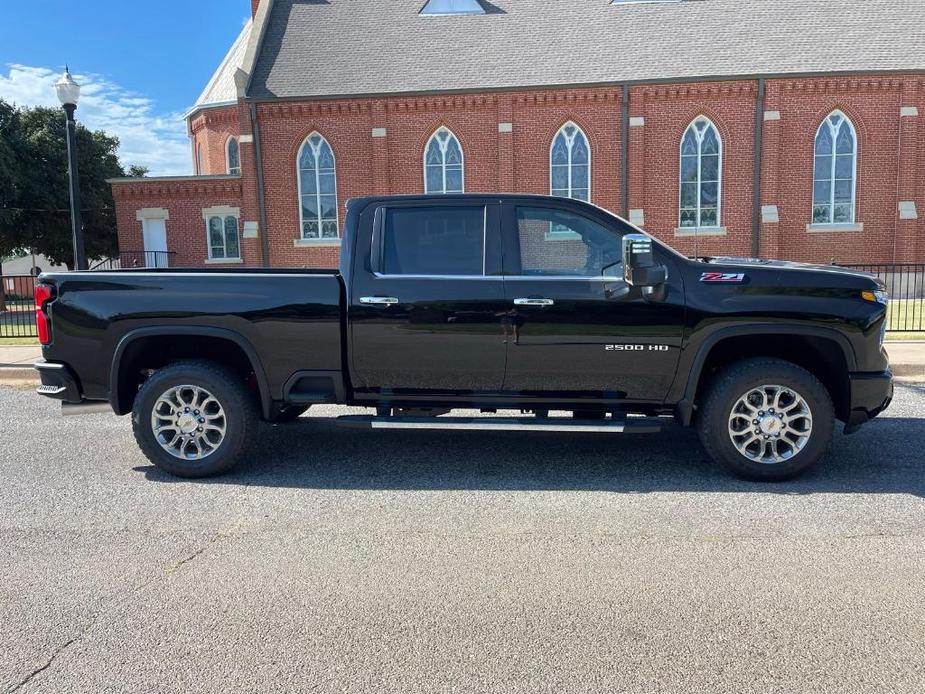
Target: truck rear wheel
766, 419
194, 419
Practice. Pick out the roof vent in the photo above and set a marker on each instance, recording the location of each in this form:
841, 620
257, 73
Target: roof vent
440, 7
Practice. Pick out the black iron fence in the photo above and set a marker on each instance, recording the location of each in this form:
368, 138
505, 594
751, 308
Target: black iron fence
130, 259
905, 283
17, 306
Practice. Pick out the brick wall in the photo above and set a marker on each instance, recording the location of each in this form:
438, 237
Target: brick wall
379, 145
184, 201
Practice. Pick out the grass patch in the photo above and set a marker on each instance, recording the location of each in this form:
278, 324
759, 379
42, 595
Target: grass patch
906, 314
4, 341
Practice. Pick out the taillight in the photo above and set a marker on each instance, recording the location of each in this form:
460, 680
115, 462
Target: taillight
43, 294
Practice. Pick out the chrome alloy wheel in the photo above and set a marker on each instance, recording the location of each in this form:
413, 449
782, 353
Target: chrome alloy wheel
770, 424
188, 422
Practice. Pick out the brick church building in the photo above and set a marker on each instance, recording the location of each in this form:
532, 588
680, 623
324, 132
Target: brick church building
786, 128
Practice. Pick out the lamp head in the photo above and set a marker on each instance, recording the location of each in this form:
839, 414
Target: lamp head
68, 90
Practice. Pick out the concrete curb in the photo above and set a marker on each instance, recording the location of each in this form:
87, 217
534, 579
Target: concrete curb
18, 372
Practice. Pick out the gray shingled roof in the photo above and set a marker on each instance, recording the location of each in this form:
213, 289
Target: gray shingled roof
221, 88
341, 47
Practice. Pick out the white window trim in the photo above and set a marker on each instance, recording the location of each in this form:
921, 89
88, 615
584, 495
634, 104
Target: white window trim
719, 178
228, 156
700, 231
222, 211
851, 223
199, 159
298, 181
443, 146
836, 227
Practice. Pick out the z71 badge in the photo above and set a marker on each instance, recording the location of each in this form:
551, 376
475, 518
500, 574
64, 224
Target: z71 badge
722, 277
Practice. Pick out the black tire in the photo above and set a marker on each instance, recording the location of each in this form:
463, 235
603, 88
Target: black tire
289, 413
230, 391
732, 383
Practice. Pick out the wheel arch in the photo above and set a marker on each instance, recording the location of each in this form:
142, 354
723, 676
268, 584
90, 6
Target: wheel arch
122, 389
824, 352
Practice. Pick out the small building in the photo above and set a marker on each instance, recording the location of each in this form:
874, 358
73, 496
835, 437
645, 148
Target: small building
791, 129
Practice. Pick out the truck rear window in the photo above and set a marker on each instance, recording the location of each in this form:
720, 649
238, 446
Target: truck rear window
429, 240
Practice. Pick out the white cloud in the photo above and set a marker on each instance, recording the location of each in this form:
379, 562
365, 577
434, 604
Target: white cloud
156, 140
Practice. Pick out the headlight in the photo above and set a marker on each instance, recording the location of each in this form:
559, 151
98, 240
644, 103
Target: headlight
880, 296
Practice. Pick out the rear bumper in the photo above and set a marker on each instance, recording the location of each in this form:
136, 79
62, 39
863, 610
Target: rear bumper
58, 382
871, 394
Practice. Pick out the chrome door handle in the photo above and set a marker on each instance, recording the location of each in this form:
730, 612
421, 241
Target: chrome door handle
379, 300
533, 302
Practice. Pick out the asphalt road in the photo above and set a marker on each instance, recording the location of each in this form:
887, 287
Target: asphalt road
342, 561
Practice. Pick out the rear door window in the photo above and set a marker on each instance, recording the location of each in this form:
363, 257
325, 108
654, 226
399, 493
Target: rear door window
439, 240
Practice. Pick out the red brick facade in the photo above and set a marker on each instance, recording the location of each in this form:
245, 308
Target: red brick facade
505, 136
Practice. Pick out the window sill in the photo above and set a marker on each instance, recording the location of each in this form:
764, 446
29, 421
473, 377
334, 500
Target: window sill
316, 243
822, 228
562, 236
224, 261
700, 231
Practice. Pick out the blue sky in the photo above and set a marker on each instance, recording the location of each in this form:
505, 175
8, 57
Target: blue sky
142, 64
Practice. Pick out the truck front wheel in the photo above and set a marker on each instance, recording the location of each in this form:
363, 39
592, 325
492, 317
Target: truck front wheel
194, 418
766, 419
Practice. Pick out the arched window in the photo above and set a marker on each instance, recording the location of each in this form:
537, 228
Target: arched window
317, 189
233, 155
701, 174
835, 170
443, 163
570, 164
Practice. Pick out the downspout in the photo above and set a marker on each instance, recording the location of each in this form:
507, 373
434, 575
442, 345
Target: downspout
624, 152
261, 192
756, 171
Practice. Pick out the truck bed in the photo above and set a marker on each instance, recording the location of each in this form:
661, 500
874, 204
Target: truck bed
291, 318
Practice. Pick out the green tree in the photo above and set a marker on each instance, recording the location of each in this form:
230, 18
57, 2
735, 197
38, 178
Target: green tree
34, 194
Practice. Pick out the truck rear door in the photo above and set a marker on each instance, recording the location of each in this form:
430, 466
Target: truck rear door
426, 299
579, 329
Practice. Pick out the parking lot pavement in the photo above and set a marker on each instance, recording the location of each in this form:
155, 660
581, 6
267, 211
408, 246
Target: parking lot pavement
339, 560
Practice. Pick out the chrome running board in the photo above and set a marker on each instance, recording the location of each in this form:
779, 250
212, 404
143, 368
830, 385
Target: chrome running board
639, 425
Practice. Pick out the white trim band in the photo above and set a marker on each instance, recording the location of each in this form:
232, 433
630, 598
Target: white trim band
637, 121
379, 132
505, 127
769, 214
772, 115
908, 111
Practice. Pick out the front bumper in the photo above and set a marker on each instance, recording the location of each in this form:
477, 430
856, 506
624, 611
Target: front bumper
870, 394
58, 382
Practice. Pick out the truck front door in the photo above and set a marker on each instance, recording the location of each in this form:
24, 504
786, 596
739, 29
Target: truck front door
427, 299
576, 328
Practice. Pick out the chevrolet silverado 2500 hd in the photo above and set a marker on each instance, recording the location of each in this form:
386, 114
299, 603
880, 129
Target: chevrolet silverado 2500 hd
494, 302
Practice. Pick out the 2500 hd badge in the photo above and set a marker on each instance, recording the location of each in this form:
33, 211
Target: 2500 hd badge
636, 348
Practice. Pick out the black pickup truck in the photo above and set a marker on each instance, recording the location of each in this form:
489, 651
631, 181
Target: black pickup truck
553, 308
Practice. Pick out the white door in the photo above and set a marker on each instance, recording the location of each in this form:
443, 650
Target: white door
155, 237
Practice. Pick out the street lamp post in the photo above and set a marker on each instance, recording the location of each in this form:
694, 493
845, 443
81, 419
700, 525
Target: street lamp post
68, 94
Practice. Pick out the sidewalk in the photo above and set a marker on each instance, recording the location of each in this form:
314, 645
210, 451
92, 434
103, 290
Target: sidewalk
907, 359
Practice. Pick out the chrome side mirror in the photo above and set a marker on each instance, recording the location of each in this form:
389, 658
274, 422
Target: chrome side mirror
639, 266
